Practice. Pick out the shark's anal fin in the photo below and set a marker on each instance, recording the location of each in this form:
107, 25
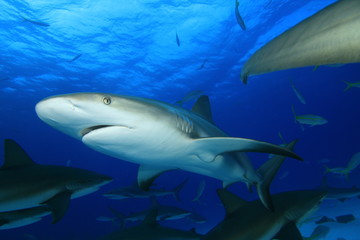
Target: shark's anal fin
230, 201
59, 204
147, 175
15, 156
202, 107
208, 148
289, 231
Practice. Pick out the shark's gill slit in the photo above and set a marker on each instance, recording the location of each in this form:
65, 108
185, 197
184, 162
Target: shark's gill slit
90, 129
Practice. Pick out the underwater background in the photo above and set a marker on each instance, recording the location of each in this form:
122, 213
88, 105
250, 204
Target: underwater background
166, 50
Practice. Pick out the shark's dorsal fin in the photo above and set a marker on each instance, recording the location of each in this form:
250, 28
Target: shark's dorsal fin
15, 156
59, 204
150, 219
230, 201
289, 231
202, 107
147, 175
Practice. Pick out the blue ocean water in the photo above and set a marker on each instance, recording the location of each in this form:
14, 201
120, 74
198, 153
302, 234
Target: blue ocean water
130, 47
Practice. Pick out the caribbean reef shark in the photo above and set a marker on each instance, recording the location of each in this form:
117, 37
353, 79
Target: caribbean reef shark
23, 217
25, 184
156, 135
151, 230
251, 220
328, 37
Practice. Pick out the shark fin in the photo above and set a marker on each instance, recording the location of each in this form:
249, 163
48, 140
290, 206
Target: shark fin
230, 201
208, 148
202, 107
150, 219
147, 175
289, 231
3, 222
15, 156
177, 189
268, 171
59, 204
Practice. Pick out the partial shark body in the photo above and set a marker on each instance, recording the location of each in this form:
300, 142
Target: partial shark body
156, 135
134, 191
25, 184
340, 194
19, 218
328, 37
250, 220
151, 230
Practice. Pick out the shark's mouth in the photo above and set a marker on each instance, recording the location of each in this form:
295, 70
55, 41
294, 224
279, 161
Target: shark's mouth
93, 128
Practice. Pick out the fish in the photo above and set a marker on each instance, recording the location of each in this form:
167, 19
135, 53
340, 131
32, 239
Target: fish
251, 220
320, 232
43, 24
297, 93
345, 171
151, 230
327, 37
340, 194
157, 135
239, 19
134, 191
203, 64
177, 39
164, 213
308, 119
26, 184
345, 218
196, 218
23, 217
324, 219
351, 85
75, 57
199, 191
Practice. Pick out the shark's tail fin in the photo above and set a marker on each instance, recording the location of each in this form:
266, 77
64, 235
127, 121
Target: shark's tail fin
177, 189
348, 85
268, 171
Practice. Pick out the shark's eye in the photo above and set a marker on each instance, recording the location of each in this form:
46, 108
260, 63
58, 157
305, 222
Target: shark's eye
106, 100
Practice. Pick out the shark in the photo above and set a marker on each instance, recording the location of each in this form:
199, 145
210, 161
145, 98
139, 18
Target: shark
251, 220
327, 37
150, 229
338, 193
25, 184
23, 217
157, 135
133, 191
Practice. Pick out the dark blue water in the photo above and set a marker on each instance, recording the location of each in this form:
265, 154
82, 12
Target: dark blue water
129, 47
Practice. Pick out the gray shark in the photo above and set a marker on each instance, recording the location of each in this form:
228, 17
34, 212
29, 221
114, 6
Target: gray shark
340, 194
164, 213
328, 37
156, 135
19, 218
151, 230
251, 220
134, 191
25, 184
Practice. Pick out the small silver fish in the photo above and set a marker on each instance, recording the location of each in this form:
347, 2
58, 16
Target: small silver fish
177, 39
297, 93
239, 19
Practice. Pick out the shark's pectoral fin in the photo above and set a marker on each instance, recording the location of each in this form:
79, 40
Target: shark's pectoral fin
147, 175
59, 204
208, 148
289, 231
